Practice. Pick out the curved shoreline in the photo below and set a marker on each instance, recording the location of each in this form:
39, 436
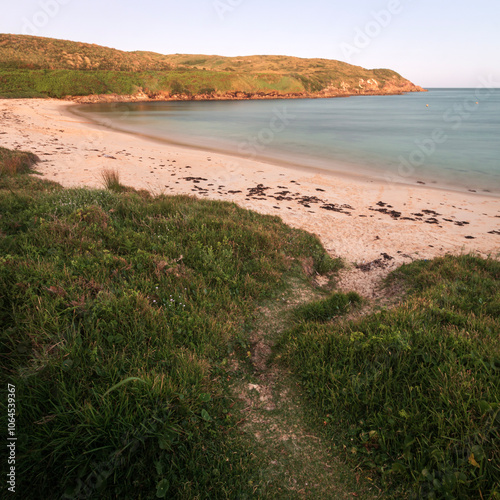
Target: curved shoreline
358, 219
342, 169
237, 96
359, 175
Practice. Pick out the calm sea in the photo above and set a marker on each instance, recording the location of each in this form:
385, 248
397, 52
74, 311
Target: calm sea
444, 137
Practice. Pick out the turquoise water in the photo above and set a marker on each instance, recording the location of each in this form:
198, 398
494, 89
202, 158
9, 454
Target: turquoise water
452, 142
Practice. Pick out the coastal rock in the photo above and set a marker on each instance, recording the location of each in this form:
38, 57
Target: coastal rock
372, 88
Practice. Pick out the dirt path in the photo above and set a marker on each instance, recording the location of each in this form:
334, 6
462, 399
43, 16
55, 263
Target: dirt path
296, 462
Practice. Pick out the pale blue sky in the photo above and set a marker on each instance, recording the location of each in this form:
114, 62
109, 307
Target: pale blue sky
434, 43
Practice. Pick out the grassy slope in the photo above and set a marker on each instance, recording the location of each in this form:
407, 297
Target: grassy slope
44, 66
99, 289
417, 388
122, 316
21, 51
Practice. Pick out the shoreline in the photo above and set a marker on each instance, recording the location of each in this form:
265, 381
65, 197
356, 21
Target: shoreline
357, 175
356, 171
237, 96
363, 221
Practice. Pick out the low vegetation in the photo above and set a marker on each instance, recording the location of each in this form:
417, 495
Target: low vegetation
119, 314
16, 162
413, 393
123, 316
46, 67
19, 83
338, 304
111, 180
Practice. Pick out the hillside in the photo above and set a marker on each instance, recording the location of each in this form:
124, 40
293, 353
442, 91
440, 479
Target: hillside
35, 67
31, 52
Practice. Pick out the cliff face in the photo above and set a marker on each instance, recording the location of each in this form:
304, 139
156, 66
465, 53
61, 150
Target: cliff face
372, 86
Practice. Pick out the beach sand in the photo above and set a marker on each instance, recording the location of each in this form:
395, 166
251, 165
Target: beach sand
376, 225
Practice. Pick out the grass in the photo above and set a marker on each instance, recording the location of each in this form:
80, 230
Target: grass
111, 180
36, 83
413, 393
124, 314
294, 460
119, 312
16, 162
22, 83
327, 309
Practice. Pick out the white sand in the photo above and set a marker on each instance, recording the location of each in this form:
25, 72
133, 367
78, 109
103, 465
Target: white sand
72, 151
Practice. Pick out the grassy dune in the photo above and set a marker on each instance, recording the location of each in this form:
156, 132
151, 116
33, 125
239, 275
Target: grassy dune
120, 313
124, 317
413, 393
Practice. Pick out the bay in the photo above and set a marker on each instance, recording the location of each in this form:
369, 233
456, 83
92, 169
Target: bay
445, 137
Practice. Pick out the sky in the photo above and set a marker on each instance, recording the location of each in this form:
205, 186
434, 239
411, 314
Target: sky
433, 43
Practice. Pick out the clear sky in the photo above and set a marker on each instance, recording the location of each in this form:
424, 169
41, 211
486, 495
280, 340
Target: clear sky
434, 43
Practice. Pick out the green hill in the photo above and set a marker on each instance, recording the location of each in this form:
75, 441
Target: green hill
36, 66
31, 52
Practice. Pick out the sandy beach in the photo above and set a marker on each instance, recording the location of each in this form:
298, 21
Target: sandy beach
375, 225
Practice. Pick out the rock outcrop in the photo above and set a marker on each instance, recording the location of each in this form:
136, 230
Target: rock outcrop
370, 87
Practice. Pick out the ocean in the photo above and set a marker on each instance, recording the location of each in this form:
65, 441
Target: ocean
445, 137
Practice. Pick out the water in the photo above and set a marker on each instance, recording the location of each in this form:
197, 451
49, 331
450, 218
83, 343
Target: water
453, 142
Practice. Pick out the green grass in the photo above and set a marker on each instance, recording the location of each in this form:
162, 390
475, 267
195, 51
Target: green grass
413, 393
20, 83
327, 309
295, 462
111, 180
122, 315
26, 83
119, 312
60, 83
